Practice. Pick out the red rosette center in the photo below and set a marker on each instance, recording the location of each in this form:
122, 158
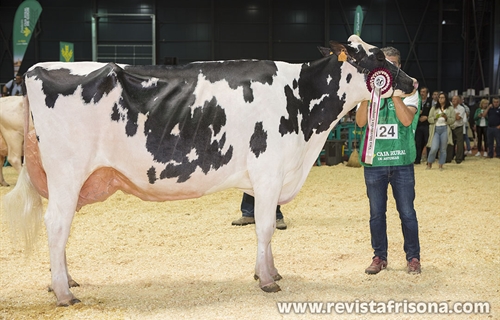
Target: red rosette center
379, 78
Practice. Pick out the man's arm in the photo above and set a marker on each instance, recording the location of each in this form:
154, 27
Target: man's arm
404, 113
5, 87
487, 110
362, 114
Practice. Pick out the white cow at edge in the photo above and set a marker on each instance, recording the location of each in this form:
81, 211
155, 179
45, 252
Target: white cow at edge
175, 132
11, 133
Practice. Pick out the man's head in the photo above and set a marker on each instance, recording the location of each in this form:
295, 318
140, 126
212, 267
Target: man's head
496, 102
435, 95
393, 55
461, 99
424, 93
455, 101
19, 79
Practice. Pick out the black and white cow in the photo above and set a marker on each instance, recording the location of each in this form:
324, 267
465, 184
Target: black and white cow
175, 132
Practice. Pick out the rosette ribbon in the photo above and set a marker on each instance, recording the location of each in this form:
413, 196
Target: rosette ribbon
378, 82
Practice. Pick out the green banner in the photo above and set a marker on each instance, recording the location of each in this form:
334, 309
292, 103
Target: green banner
24, 23
66, 52
358, 21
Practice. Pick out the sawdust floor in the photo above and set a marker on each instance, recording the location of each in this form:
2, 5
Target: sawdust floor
183, 259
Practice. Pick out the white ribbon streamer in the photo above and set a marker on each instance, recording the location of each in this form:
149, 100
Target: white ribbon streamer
371, 130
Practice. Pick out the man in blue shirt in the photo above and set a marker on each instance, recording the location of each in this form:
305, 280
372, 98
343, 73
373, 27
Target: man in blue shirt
13, 87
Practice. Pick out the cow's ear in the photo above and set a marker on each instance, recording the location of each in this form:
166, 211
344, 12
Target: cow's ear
325, 51
340, 50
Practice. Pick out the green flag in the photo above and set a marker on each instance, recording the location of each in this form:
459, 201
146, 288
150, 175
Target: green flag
358, 21
66, 52
24, 23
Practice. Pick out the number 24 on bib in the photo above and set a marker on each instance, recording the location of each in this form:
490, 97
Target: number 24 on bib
387, 131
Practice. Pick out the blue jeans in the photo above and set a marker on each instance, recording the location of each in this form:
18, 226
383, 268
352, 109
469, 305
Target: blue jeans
247, 207
402, 180
439, 142
493, 134
466, 138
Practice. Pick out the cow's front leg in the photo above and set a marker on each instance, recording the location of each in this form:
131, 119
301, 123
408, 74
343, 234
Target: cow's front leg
265, 224
58, 224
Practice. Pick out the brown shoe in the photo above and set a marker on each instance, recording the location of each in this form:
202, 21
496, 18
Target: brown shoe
243, 221
414, 266
377, 265
280, 224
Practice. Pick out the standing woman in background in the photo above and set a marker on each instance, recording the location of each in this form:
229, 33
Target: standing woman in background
441, 117
481, 120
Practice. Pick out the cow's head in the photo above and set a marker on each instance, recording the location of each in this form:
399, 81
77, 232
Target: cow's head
365, 58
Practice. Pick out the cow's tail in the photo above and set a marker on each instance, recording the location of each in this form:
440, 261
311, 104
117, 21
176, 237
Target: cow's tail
23, 209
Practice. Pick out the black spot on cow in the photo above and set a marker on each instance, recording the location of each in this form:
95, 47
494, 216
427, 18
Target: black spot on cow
61, 82
293, 104
185, 140
151, 175
258, 140
115, 114
241, 74
348, 78
313, 85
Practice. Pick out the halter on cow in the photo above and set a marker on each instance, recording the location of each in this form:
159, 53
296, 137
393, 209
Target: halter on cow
175, 132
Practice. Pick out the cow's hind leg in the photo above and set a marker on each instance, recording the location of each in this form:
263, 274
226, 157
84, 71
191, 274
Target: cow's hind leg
71, 283
2, 181
265, 224
3, 154
58, 218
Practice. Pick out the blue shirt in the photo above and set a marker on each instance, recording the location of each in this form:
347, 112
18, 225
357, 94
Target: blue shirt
494, 117
14, 88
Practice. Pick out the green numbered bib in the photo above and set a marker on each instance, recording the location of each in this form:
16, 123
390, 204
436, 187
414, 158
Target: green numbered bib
395, 143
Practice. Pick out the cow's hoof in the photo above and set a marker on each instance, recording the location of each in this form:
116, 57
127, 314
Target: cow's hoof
276, 277
73, 283
4, 184
273, 287
69, 303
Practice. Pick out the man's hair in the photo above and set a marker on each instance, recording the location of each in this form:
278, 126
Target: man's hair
392, 52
